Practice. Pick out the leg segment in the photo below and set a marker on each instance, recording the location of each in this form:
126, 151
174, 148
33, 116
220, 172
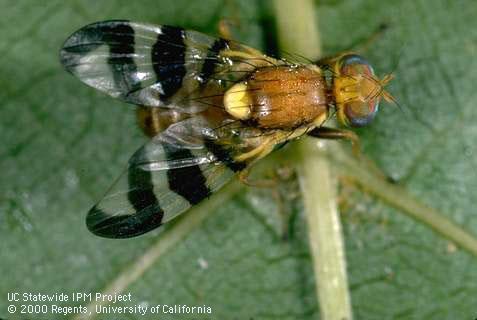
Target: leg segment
262, 183
224, 29
332, 133
336, 134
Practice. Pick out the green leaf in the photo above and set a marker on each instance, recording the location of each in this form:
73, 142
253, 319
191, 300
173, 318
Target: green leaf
64, 143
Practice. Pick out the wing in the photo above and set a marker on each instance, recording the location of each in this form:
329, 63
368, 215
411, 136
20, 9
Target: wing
174, 171
154, 65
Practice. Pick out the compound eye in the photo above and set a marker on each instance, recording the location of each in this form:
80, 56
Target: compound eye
357, 107
358, 114
353, 64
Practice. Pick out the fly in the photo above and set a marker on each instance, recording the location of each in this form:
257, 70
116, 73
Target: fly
213, 108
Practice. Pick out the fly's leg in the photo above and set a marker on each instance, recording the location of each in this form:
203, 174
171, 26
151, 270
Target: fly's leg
225, 26
338, 134
225, 29
284, 193
261, 183
281, 195
362, 46
232, 20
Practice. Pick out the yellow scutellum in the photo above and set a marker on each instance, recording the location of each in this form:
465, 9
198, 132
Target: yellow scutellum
237, 101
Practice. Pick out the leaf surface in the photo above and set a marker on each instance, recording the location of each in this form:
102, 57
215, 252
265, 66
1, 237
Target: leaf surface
63, 144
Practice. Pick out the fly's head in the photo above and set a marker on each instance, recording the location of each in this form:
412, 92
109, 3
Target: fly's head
356, 90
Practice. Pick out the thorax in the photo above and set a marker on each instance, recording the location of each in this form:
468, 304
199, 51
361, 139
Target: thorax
282, 97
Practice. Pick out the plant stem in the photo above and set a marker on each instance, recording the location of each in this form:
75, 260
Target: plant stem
363, 175
297, 32
324, 232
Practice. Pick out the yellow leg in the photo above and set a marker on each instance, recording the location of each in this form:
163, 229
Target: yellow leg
231, 19
259, 152
364, 46
224, 29
333, 133
336, 134
250, 54
262, 183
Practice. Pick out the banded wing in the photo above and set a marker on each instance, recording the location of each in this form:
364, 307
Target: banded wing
174, 171
156, 66
166, 67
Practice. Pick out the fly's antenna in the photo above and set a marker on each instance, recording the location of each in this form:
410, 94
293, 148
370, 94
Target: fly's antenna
409, 111
397, 60
388, 97
383, 83
388, 77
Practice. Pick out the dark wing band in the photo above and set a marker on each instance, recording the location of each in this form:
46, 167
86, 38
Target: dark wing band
165, 177
153, 65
